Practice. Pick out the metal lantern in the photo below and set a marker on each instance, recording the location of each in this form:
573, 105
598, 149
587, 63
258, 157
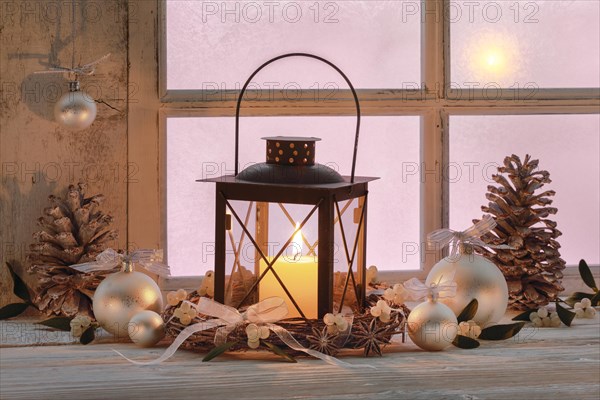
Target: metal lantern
327, 277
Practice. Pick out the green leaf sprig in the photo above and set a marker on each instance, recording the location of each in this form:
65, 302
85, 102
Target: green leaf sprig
494, 332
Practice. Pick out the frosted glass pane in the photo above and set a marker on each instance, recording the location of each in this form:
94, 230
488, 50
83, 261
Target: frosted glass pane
215, 45
567, 146
203, 147
546, 44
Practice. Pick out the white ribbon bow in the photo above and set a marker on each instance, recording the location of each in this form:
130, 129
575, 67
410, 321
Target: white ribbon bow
149, 259
266, 312
440, 290
441, 238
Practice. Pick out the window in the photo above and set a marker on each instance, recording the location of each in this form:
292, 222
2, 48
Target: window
441, 83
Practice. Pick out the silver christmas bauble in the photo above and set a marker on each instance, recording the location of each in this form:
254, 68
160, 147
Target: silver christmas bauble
476, 278
75, 110
122, 295
432, 326
146, 328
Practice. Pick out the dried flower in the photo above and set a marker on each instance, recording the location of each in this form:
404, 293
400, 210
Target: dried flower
584, 309
371, 337
335, 323
322, 341
396, 294
174, 298
543, 318
186, 313
382, 311
469, 329
79, 324
207, 287
371, 275
255, 333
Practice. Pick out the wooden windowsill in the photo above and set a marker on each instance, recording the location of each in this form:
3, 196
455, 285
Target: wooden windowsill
544, 363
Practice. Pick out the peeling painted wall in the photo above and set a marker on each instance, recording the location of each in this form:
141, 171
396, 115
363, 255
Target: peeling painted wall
38, 157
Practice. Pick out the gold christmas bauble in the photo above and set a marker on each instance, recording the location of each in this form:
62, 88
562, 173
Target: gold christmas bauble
432, 326
476, 278
122, 295
146, 328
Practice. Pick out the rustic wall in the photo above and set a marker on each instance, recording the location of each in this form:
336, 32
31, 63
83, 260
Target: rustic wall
37, 156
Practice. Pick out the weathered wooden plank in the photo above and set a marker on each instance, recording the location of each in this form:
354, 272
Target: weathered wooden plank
547, 363
38, 157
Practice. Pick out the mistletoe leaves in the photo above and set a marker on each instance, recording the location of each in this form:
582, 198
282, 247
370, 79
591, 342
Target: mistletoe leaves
566, 316
221, 349
20, 290
277, 350
586, 275
88, 335
217, 351
494, 332
465, 342
524, 316
588, 279
468, 312
501, 332
12, 310
60, 323
19, 287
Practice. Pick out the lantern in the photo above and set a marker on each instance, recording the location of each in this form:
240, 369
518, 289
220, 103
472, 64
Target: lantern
277, 254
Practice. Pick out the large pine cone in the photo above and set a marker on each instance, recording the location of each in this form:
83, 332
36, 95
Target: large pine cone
533, 267
74, 231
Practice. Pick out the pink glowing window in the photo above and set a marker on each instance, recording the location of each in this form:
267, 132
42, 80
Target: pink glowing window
525, 44
203, 147
565, 145
376, 43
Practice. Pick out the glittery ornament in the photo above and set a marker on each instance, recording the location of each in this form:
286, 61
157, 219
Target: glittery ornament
146, 328
75, 110
122, 295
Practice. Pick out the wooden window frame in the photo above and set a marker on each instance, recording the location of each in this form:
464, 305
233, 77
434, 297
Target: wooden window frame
151, 104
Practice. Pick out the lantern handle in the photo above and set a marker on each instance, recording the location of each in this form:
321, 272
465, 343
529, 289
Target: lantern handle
239, 103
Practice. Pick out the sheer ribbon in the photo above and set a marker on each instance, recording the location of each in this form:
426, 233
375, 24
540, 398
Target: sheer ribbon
441, 238
445, 288
149, 259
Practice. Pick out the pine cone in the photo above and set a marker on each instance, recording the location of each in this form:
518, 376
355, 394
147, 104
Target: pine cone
533, 267
74, 231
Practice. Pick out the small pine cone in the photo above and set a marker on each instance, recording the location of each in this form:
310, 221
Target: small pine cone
73, 231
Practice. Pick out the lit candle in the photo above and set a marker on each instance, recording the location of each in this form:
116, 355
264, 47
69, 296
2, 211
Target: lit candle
299, 274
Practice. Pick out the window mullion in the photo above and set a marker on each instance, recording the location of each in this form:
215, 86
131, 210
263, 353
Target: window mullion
434, 149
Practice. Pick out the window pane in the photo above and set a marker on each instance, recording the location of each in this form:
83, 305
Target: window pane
566, 146
546, 44
203, 147
215, 45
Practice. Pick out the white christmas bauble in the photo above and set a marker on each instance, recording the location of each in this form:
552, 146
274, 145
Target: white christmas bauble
432, 326
122, 295
75, 110
146, 328
476, 278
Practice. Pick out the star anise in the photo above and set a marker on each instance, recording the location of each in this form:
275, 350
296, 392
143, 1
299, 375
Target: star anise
371, 337
323, 341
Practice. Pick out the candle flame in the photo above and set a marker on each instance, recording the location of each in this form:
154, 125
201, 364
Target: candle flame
297, 242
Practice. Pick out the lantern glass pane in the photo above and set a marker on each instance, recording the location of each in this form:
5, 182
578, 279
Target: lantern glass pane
297, 266
525, 44
344, 285
565, 145
240, 255
204, 148
359, 36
